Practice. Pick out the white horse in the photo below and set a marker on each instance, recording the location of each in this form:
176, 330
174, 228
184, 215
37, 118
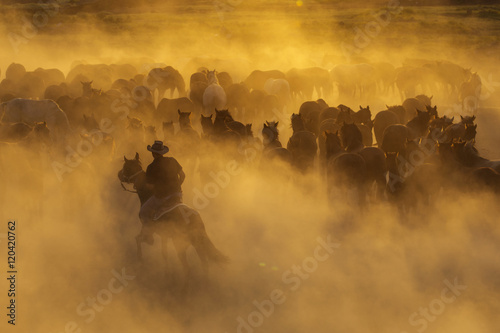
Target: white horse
35, 111
214, 96
280, 88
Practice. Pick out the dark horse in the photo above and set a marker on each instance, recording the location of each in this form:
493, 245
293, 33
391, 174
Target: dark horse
179, 222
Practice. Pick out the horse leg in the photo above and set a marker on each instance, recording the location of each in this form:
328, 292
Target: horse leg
381, 184
181, 246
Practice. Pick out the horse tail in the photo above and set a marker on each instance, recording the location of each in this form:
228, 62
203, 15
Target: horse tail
204, 245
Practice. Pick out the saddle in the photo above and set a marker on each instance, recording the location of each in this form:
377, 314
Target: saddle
170, 203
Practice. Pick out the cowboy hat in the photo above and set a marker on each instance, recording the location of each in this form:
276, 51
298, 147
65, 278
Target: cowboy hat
158, 148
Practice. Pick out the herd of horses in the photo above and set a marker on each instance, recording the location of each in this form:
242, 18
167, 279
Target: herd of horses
405, 154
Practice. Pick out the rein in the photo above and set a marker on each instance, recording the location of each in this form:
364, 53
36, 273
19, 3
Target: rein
129, 180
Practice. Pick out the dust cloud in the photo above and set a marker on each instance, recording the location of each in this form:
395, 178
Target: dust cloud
300, 260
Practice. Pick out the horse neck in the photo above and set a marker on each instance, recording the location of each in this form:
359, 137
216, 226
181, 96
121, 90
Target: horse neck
358, 117
87, 92
140, 185
276, 143
298, 126
353, 143
220, 125
333, 151
212, 79
354, 146
208, 129
186, 124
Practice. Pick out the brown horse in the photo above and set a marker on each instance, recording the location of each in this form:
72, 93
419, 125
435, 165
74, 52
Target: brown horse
187, 132
225, 134
351, 138
272, 145
302, 145
376, 167
418, 126
348, 172
180, 222
394, 138
382, 120
457, 131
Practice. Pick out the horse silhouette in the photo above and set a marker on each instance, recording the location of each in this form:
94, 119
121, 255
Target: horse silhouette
214, 96
302, 145
180, 222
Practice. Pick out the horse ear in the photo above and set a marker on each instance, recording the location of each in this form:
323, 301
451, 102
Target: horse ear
360, 107
265, 125
125, 158
368, 107
452, 118
461, 117
473, 118
387, 106
431, 97
137, 156
475, 126
210, 116
277, 123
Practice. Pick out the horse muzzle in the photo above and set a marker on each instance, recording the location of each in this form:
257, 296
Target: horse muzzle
121, 177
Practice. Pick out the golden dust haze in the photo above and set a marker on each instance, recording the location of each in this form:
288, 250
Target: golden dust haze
435, 269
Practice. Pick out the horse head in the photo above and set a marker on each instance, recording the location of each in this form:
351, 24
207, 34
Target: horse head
350, 134
184, 118
297, 122
90, 123
470, 132
332, 143
432, 111
212, 77
42, 133
248, 129
270, 132
468, 119
364, 115
131, 169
